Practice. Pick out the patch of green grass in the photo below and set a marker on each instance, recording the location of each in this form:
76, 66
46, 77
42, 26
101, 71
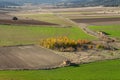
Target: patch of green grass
105, 70
15, 35
112, 30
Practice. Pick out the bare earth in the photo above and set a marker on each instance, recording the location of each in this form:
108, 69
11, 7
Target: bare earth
5, 16
25, 22
90, 56
7, 19
99, 21
28, 57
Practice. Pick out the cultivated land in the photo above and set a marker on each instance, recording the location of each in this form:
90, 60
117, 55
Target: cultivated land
111, 30
89, 12
98, 16
98, 21
105, 70
25, 22
48, 17
20, 35
28, 57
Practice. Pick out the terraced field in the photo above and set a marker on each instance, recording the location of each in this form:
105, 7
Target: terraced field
111, 30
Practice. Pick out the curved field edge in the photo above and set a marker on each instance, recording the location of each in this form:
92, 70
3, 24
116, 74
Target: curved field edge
103, 70
111, 30
20, 35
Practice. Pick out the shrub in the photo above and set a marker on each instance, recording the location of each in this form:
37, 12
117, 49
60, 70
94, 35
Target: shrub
98, 46
63, 43
15, 18
90, 46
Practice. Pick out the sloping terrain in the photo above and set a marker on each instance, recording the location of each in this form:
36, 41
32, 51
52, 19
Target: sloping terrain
28, 57
86, 3
7, 19
25, 22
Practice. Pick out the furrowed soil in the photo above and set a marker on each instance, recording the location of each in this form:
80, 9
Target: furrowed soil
98, 21
25, 22
28, 57
7, 19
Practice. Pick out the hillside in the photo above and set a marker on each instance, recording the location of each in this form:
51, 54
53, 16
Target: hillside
7, 4
33, 1
66, 3
83, 3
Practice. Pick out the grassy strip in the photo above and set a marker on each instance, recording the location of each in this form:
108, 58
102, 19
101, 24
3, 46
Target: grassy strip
105, 70
112, 30
14, 35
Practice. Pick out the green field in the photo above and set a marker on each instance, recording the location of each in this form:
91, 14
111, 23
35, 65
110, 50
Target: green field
112, 30
105, 70
15, 35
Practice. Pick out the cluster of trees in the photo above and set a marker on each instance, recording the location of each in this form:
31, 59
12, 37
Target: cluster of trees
65, 44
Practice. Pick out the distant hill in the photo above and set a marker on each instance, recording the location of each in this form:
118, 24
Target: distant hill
7, 4
33, 1
83, 3
67, 3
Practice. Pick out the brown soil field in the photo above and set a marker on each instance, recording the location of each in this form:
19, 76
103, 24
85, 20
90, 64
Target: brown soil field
105, 23
28, 57
7, 19
84, 9
98, 21
91, 20
5, 16
25, 22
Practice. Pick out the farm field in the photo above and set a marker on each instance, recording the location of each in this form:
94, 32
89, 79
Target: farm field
96, 20
88, 15
19, 35
111, 30
25, 22
104, 70
89, 12
48, 17
30, 57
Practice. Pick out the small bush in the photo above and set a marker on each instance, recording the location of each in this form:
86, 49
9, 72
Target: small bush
15, 18
90, 46
98, 46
